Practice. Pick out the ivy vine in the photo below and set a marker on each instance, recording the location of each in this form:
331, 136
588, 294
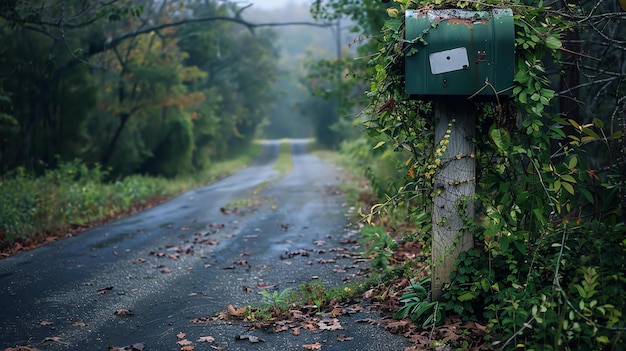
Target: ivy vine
546, 218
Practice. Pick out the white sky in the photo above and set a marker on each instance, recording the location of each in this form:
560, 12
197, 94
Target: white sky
271, 4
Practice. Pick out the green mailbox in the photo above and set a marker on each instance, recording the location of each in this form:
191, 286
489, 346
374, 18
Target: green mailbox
459, 52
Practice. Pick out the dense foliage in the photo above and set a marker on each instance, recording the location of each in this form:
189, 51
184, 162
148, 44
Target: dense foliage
73, 197
547, 270
152, 87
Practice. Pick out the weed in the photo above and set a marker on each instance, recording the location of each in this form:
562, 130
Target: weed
417, 304
379, 245
276, 301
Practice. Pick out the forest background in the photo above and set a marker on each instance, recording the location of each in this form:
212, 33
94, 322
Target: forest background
100, 105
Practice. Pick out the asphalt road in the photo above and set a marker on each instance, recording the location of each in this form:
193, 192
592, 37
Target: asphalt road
187, 259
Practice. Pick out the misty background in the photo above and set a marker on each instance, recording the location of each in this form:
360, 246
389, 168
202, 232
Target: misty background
300, 47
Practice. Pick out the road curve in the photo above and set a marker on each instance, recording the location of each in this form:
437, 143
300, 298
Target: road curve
190, 258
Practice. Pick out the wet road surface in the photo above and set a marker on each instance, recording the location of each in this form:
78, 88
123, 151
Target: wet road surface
189, 258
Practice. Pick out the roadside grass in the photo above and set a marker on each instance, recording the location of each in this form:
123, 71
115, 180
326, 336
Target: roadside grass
276, 305
74, 197
284, 162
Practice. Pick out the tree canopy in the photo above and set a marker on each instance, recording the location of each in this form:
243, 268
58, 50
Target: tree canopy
158, 87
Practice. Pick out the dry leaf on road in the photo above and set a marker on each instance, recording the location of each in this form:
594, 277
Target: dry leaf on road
53, 339
184, 342
236, 312
206, 339
104, 290
343, 338
330, 324
123, 312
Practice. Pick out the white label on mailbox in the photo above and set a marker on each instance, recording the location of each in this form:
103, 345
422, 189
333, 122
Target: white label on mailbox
448, 61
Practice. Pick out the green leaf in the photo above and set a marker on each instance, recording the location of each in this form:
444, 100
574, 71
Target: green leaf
553, 42
598, 123
592, 134
568, 178
380, 143
587, 194
504, 243
603, 339
470, 295
568, 187
393, 24
523, 98
502, 139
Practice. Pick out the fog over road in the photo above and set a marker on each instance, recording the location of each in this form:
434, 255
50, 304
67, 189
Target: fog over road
188, 259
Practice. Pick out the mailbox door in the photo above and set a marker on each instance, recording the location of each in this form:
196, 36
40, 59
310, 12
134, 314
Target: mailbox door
463, 51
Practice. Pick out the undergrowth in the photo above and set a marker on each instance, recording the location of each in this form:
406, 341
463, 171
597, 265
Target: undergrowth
73, 196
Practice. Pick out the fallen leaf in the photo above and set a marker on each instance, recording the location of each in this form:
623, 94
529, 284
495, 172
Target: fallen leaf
310, 326
46, 323
79, 324
206, 339
123, 312
296, 331
262, 285
53, 339
104, 290
342, 338
166, 271
247, 289
188, 348
140, 260
236, 312
316, 346
181, 335
369, 294
253, 339
183, 342
330, 324
218, 348
21, 348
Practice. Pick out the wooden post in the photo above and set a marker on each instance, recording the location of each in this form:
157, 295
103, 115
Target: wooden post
455, 184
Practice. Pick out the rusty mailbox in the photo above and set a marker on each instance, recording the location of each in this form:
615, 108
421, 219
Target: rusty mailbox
460, 52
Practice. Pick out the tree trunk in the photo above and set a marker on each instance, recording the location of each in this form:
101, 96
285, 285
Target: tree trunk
109, 151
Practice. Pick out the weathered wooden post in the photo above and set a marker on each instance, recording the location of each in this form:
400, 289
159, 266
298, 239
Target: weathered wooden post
456, 57
455, 185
